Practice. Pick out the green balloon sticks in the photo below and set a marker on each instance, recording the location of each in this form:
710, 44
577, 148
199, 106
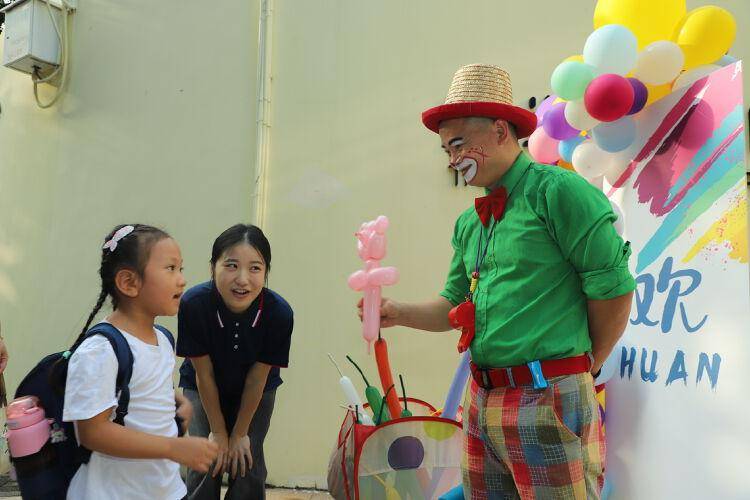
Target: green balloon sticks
372, 394
405, 412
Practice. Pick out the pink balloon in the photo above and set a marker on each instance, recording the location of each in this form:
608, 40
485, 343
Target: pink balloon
543, 148
381, 276
371, 248
357, 280
609, 97
371, 315
371, 236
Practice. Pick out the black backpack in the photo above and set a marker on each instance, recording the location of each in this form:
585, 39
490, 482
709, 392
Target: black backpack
47, 473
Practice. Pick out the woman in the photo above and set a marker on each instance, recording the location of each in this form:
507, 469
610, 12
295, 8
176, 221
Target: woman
236, 335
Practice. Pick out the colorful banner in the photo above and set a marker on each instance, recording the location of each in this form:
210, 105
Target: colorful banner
678, 405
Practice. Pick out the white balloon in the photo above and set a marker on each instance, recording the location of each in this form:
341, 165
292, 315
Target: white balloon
610, 366
691, 76
597, 182
617, 166
577, 116
620, 222
659, 63
590, 160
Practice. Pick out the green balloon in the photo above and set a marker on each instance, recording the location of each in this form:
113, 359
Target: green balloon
570, 79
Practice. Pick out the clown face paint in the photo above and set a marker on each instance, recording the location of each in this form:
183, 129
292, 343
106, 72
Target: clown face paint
468, 164
468, 143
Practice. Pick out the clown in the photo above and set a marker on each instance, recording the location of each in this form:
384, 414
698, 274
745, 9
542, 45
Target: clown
540, 287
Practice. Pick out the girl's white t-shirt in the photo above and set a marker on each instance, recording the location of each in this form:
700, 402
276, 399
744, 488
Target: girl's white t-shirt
90, 389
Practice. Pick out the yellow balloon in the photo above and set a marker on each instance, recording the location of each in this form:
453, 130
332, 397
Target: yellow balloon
439, 431
705, 34
656, 92
391, 493
649, 20
576, 58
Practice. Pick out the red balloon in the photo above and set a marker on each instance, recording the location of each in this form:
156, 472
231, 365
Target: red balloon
609, 97
386, 378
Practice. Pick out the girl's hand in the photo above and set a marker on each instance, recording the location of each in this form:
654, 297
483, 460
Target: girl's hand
240, 456
196, 453
222, 442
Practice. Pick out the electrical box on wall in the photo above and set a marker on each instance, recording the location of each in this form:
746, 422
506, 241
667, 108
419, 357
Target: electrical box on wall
31, 40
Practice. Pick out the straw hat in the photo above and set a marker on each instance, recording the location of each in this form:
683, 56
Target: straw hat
481, 90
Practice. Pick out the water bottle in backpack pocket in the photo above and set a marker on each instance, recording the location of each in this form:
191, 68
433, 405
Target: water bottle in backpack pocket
43, 448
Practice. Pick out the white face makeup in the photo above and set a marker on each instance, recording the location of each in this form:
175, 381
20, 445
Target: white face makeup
465, 161
467, 168
469, 143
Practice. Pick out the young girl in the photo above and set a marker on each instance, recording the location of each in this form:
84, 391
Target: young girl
141, 274
236, 334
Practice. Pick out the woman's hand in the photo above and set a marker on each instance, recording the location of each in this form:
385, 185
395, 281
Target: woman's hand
222, 441
240, 456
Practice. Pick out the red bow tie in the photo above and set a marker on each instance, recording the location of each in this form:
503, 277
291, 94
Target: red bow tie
492, 204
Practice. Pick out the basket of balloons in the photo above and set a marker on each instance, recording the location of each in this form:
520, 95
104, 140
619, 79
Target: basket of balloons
392, 447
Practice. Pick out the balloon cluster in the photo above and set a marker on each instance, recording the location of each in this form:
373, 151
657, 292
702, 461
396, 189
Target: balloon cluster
639, 52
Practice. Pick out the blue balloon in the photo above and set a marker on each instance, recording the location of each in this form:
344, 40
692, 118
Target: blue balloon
450, 408
613, 48
455, 493
566, 147
615, 136
606, 489
726, 60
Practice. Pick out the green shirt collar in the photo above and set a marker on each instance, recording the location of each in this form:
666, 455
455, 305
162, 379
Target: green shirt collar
511, 178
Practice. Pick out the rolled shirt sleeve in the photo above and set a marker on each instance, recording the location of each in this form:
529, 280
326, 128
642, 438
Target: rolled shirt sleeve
580, 219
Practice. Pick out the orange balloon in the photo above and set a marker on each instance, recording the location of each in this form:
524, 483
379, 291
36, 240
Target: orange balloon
564, 164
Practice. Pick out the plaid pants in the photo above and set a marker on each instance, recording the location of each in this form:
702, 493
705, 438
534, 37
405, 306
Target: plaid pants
533, 444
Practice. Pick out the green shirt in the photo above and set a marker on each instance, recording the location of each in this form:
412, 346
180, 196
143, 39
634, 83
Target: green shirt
554, 248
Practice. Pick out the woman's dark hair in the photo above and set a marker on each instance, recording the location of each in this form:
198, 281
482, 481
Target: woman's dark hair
242, 233
132, 252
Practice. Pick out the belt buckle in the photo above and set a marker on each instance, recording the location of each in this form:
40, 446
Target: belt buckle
511, 380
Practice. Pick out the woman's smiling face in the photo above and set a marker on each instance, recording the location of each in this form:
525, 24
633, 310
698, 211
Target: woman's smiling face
239, 274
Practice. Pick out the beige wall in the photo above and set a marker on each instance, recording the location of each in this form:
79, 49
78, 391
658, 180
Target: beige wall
159, 126
351, 79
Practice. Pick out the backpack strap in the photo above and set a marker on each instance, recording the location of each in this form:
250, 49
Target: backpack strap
167, 334
124, 366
